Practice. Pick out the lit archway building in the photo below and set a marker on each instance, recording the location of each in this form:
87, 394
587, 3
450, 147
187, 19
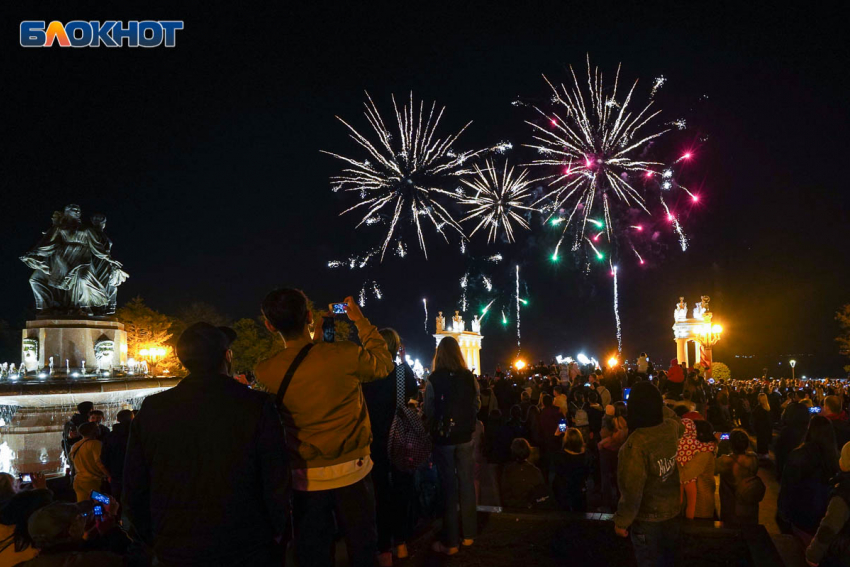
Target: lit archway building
697, 329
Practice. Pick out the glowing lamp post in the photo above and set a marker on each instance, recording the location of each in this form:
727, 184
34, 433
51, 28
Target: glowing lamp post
153, 354
709, 335
793, 363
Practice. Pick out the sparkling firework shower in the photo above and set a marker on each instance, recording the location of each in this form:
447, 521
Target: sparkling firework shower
425, 305
596, 143
405, 176
517, 310
617, 307
499, 200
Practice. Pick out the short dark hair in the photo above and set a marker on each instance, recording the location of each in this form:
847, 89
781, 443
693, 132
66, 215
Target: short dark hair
740, 441
202, 347
286, 309
705, 431
84, 407
520, 449
96, 412
124, 416
88, 429
547, 400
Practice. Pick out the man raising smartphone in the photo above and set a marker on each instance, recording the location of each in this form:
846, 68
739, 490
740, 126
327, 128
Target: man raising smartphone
328, 433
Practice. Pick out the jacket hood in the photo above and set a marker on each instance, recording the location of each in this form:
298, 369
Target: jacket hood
674, 362
645, 406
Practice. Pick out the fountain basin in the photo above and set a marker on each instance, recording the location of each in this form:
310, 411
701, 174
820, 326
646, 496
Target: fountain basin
33, 415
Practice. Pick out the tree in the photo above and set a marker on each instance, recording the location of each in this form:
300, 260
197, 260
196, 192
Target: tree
146, 329
843, 339
197, 312
253, 344
720, 371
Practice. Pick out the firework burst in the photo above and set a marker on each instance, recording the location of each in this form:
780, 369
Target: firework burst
405, 176
597, 142
499, 200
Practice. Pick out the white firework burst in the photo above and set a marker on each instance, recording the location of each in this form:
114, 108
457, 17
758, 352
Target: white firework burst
596, 142
500, 198
406, 175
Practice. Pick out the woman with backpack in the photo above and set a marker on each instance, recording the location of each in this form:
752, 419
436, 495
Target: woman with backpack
452, 401
394, 488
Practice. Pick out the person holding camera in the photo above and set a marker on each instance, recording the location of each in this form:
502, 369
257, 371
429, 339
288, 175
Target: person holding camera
328, 431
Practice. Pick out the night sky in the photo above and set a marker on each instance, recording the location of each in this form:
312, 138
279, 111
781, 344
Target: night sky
205, 158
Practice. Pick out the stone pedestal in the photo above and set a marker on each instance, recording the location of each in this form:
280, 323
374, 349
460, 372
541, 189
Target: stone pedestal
101, 344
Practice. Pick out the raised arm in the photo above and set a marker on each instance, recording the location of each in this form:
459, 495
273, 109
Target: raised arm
373, 359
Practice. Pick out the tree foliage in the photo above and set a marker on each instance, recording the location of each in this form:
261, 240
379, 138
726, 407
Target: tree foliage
197, 312
253, 344
720, 371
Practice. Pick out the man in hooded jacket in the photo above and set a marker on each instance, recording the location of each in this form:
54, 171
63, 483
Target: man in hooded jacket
649, 479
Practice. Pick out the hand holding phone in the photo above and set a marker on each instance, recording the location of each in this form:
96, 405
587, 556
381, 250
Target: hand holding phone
562, 425
338, 308
102, 498
724, 436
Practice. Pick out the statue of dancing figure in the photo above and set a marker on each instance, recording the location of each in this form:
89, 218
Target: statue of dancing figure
73, 271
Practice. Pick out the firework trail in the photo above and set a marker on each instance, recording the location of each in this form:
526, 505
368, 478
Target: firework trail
639, 257
487, 309
464, 283
499, 200
405, 175
617, 308
425, 305
488, 283
376, 292
517, 310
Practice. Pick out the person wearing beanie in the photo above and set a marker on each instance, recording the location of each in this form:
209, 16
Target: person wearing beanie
831, 544
648, 478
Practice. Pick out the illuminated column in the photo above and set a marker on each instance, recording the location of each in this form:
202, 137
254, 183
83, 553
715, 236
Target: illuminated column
681, 350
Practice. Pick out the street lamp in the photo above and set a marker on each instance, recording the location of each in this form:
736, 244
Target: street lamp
152, 354
793, 363
709, 335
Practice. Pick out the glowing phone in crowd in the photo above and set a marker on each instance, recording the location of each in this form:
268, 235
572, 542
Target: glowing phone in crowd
26, 478
102, 498
98, 511
724, 436
328, 330
339, 308
815, 409
626, 392
562, 425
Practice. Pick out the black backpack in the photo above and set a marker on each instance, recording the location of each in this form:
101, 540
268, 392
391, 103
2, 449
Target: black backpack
454, 415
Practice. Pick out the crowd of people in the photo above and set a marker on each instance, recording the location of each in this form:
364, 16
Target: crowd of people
338, 441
